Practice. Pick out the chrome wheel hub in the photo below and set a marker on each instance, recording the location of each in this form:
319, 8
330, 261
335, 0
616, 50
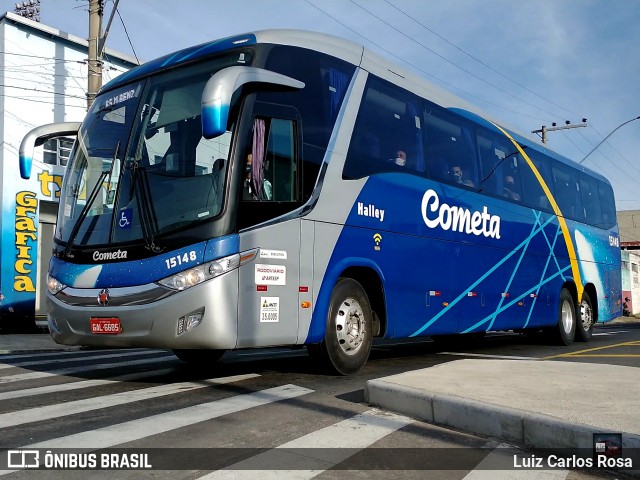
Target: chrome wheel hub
350, 326
586, 316
566, 317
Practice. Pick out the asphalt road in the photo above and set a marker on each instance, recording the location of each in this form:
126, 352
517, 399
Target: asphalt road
247, 413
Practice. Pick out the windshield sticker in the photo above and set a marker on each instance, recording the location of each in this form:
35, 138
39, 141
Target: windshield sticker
269, 309
123, 97
126, 217
279, 254
458, 219
271, 274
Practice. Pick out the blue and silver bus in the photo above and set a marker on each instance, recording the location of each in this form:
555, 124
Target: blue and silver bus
291, 188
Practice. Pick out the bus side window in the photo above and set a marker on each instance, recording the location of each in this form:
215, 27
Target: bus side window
608, 205
450, 148
387, 136
590, 199
270, 168
567, 192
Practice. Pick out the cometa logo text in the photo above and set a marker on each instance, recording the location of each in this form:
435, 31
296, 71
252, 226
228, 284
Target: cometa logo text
109, 255
458, 219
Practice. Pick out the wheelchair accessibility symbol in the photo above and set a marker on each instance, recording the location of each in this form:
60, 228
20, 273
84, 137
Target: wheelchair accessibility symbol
126, 216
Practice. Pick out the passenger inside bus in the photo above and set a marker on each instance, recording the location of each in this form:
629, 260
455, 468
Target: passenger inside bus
508, 189
401, 158
459, 176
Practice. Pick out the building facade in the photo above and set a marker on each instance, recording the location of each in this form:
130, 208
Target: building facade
44, 80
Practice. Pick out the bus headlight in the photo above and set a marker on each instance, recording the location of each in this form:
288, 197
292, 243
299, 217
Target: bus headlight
201, 273
53, 285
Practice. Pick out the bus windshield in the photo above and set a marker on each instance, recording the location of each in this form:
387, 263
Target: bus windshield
141, 167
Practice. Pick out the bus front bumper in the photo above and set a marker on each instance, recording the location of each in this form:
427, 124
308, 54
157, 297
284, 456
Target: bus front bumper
154, 323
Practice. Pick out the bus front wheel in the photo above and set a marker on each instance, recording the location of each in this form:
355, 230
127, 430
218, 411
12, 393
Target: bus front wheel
564, 332
584, 328
199, 357
348, 336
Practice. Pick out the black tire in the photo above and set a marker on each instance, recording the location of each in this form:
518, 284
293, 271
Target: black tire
586, 319
564, 332
199, 357
348, 336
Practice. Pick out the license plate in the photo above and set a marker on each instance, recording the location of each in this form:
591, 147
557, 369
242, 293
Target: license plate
105, 325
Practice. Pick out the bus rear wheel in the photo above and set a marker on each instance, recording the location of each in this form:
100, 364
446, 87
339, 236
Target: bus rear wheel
348, 335
584, 328
202, 357
564, 332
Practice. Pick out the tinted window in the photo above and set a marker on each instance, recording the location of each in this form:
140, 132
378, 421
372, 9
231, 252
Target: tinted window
450, 147
326, 81
533, 193
388, 133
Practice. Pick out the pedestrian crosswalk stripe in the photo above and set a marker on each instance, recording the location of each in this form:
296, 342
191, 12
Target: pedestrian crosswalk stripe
38, 414
65, 387
84, 368
344, 439
56, 353
144, 427
34, 363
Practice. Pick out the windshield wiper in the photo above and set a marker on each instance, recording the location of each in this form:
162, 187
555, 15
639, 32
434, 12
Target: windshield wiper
148, 220
84, 212
92, 197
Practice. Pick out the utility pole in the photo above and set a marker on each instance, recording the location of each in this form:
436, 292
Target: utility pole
94, 81
543, 131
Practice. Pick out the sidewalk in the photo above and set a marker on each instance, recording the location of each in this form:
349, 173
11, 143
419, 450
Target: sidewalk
531, 403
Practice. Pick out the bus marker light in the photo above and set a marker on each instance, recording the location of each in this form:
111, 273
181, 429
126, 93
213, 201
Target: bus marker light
521, 304
435, 293
505, 294
445, 304
533, 295
472, 294
305, 304
303, 289
261, 288
248, 256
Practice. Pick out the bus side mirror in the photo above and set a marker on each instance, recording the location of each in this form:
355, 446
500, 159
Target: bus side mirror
39, 136
219, 90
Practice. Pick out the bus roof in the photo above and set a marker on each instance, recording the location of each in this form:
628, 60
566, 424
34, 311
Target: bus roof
348, 51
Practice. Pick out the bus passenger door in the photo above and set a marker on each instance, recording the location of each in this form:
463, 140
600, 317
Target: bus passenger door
270, 190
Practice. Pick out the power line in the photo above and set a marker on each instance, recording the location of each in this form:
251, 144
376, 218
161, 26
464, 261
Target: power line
605, 138
127, 34
429, 74
469, 72
41, 91
484, 64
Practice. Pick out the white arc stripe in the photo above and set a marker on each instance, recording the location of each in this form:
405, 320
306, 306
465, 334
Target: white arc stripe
353, 434
38, 414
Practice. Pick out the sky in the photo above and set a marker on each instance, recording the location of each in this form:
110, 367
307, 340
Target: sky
525, 63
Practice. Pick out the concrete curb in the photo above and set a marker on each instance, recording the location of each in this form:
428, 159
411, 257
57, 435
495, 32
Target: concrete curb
524, 428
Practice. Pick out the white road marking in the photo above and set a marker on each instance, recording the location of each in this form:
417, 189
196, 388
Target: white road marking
87, 368
80, 358
350, 435
65, 387
38, 414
